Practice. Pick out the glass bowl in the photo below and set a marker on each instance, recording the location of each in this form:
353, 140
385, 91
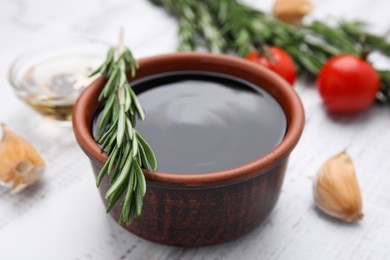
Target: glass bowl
50, 78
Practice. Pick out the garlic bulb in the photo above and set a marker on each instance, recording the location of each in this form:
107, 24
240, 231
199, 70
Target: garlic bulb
336, 189
20, 163
291, 11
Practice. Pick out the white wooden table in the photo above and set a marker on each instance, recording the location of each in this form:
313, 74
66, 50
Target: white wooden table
63, 217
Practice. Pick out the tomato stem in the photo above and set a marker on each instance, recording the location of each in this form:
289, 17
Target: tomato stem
263, 49
364, 51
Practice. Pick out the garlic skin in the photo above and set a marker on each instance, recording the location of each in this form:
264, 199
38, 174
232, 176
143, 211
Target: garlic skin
292, 11
20, 163
336, 189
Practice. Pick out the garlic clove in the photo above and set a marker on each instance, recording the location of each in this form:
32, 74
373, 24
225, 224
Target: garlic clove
336, 189
20, 163
292, 11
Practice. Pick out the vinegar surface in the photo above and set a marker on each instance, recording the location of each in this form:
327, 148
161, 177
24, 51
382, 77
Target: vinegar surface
206, 122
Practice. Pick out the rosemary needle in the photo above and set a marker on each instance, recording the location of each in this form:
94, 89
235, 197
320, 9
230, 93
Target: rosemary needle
128, 152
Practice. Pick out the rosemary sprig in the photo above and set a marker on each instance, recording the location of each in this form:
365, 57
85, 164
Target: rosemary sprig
128, 152
239, 29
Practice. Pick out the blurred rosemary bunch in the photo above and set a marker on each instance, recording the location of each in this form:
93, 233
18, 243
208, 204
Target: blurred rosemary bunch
227, 26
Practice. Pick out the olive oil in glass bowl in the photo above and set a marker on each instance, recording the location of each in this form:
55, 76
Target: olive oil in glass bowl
50, 78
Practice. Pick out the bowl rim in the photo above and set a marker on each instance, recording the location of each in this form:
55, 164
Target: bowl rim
82, 116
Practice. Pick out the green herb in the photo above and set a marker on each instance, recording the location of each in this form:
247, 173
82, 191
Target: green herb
235, 28
128, 152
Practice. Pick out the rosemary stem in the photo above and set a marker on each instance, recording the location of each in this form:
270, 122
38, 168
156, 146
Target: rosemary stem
121, 47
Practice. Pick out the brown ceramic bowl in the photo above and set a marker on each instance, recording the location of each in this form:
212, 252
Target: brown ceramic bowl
202, 209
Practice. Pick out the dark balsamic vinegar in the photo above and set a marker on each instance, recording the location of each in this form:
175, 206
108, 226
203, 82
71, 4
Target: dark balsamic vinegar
200, 122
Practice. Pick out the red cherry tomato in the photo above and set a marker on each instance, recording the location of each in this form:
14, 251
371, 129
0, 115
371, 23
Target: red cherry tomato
347, 84
281, 63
